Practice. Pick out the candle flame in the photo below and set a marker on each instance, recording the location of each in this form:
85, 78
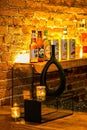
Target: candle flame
15, 113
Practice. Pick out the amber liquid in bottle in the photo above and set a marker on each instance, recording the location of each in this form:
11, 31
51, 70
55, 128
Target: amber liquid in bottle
40, 45
33, 48
47, 46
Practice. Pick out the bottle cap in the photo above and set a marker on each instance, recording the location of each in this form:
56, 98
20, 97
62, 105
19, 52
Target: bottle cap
46, 32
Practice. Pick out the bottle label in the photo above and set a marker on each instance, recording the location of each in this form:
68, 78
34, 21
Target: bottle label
34, 53
84, 38
41, 52
84, 43
47, 49
72, 48
64, 49
33, 35
84, 49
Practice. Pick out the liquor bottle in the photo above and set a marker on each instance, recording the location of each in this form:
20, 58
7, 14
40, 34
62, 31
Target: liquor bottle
47, 46
33, 48
40, 46
83, 37
78, 46
78, 49
71, 46
56, 43
64, 44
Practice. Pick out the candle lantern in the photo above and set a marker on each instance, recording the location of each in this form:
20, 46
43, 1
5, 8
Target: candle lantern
40, 93
15, 112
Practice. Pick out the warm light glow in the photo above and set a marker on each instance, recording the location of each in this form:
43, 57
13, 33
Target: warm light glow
22, 58
81, 52
41, 93
15, 112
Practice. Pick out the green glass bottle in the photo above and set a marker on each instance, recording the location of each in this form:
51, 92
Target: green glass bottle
47, 46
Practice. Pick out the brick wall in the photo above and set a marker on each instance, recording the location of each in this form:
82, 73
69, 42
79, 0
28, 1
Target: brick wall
19, 17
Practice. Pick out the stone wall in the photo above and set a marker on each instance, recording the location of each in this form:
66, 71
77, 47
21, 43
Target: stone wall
19, 17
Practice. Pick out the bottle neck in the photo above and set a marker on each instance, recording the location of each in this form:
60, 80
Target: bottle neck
53, 51
33, 36
45, 34
33, 39
39, 34
65, 30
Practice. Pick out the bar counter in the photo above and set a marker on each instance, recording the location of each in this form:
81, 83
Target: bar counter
76, 121
65, 64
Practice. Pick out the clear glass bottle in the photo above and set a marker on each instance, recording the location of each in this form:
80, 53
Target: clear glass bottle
33, 48
71, 46
47, 46
56, 43
40, 46
78, 46
64, 45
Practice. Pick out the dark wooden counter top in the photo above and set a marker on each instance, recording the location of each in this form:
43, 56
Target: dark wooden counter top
77, 121
65, 64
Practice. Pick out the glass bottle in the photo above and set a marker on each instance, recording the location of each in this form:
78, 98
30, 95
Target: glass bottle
78, 50
83, 37
47, 46
71, 46
78, 46
56, 43
40, 46
33, 48
64, 44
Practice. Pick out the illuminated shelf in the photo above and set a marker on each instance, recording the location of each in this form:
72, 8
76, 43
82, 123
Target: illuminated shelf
65, 64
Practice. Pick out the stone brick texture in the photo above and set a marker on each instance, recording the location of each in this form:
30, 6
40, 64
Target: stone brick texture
17, 19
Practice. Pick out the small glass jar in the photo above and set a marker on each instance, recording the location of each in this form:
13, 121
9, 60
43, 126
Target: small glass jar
40, 93
15, 112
